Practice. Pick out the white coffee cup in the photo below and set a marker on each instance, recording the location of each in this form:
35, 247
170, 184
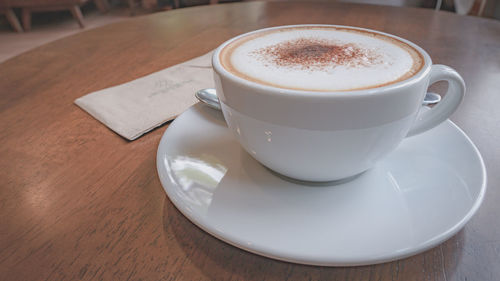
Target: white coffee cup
325, 136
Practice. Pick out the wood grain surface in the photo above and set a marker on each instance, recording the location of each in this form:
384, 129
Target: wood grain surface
78, 202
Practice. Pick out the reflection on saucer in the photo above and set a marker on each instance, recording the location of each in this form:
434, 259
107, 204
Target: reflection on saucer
198, 177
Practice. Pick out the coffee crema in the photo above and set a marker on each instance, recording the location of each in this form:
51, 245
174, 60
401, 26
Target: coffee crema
321, 58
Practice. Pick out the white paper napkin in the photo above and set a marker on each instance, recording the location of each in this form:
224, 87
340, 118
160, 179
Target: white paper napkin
138, 106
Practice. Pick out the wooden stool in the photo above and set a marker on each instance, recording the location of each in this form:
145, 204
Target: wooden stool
29, 6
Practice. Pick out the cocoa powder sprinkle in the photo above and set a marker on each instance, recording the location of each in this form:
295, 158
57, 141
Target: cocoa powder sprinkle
307, 53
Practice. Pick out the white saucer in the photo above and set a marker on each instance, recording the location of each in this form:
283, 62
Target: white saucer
418, 197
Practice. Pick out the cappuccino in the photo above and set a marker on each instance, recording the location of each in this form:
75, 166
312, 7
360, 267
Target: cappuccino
321, 58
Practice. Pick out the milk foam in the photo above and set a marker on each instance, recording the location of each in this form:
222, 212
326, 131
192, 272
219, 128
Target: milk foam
382, 60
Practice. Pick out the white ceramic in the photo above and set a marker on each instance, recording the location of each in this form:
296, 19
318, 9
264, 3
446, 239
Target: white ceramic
323, 136
417, 197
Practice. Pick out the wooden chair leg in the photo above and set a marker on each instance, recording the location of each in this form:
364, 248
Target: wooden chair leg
77, 14
26, 18
131, 4
102, 5
14, 22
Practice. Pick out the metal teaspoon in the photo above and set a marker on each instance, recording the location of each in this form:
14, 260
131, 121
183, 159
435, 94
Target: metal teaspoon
209, 97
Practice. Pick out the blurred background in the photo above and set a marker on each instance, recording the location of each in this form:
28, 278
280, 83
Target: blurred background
26, 24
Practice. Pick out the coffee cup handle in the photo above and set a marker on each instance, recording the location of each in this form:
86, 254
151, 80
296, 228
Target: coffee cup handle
429, 119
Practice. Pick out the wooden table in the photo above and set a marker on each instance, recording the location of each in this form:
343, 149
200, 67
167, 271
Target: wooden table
79, 202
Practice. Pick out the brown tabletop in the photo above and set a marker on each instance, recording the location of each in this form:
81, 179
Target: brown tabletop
79, 202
